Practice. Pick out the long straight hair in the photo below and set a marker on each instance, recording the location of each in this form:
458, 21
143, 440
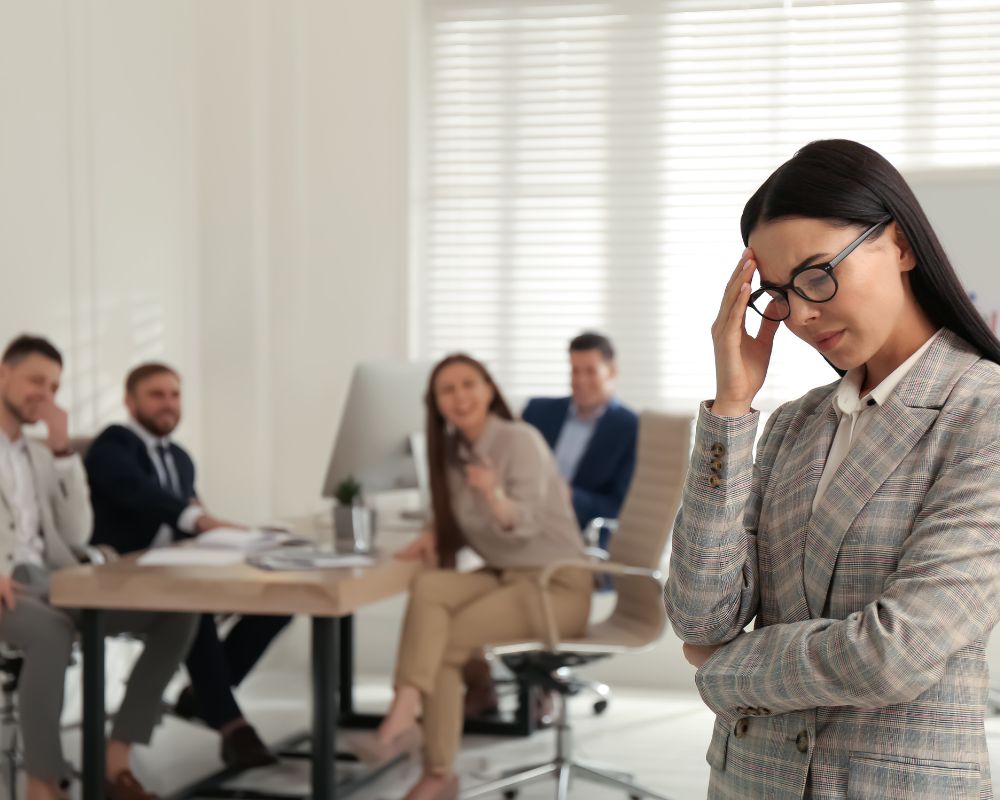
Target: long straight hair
846, 183
441, 447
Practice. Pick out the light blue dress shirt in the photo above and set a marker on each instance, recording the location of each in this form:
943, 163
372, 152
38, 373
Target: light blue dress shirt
573, 439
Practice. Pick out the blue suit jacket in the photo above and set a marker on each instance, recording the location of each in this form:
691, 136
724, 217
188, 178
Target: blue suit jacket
129, 503
605, 471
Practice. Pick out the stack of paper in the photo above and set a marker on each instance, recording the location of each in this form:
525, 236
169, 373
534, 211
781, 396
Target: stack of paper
240, 539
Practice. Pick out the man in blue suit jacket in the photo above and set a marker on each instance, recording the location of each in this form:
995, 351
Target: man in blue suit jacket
142, 488
592, 434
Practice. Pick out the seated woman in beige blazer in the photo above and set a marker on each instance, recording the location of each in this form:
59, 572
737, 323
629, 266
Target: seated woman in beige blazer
495, 488
863, 541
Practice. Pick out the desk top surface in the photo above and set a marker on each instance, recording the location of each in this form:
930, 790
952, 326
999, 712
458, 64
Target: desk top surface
236, 588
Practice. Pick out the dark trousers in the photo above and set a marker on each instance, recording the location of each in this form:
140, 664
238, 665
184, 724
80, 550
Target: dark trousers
216, 667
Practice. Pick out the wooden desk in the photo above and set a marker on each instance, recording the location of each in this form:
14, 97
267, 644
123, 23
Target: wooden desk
322, 594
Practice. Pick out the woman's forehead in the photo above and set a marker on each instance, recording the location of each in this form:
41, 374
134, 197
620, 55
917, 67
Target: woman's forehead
782, 245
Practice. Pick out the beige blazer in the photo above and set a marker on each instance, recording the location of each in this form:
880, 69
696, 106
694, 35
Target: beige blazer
64, 510
865, 674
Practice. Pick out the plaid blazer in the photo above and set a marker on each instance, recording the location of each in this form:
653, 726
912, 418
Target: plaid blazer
865, 675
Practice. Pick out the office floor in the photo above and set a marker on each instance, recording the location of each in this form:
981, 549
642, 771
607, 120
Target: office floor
659, 736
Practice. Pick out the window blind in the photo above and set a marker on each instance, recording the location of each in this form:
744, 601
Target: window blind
584, 164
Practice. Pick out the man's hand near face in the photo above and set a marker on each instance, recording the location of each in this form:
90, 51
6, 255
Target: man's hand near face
57, 421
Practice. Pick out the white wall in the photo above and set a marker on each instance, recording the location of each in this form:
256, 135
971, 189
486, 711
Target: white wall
304, 189
98, 202
221, 185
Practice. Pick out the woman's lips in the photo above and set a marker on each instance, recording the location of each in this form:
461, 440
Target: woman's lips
829, 341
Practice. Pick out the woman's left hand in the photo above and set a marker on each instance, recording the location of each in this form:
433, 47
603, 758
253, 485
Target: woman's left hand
482, 477
698, 654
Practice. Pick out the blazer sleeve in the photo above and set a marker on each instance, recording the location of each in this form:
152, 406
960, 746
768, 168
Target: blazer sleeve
712, 592
114, 474
70, 496
944, 595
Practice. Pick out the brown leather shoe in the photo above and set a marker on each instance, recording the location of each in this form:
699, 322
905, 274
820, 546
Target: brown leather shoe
243, 749
125, 786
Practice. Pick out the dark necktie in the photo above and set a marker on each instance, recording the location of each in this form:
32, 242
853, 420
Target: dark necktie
163, 450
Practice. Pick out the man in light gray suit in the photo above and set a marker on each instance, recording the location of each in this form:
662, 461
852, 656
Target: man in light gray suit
45, 519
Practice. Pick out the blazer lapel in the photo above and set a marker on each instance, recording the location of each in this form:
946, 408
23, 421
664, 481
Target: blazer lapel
898, 425
886, 440
784, 520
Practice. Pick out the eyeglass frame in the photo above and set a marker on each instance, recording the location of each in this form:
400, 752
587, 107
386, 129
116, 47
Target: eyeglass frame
826, 267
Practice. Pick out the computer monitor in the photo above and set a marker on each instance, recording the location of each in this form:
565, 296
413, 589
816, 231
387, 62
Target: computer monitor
380, 441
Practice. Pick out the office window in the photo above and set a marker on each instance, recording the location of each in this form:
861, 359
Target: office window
586, 163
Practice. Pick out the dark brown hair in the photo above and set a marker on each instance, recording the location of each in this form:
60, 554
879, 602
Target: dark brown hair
147, 370
441, 447
26, 345
591, 340
847, 183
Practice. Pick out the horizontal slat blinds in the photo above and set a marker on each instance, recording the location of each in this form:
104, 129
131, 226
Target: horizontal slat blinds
585, 163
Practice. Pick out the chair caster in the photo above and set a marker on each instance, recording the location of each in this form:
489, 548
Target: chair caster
600, 706
510, 794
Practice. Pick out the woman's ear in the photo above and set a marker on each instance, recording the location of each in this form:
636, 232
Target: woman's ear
904, 254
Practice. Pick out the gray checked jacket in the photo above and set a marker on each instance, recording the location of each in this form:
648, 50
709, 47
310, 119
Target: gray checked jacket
864, 675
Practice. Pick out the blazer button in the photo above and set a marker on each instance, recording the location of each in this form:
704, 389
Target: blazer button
717, 450
741, 728
714, 481
715, 466
802, 742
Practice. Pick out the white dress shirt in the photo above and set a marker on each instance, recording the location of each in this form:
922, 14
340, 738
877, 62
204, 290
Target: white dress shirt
166, 471
855, 411
576, 433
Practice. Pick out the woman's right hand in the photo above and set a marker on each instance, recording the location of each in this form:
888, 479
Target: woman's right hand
741, 360
423, 548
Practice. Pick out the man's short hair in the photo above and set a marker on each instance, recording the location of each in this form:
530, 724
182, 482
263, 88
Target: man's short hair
26, 345
593, 341
147, 370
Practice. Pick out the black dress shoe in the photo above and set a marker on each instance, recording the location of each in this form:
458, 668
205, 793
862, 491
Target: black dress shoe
186, 706
243, 749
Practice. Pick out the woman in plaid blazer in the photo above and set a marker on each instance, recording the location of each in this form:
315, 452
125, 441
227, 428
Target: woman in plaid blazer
864, 539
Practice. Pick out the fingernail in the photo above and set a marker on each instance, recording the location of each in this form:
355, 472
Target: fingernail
745, 287
747, 264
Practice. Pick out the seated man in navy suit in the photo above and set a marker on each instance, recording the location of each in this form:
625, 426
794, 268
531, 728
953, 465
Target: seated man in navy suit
142, 487
593, 435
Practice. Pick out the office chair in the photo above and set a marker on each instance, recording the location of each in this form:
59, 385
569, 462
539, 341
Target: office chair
635, 624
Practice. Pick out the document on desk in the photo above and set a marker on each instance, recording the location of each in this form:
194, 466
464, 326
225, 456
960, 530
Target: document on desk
245, 541
296, 558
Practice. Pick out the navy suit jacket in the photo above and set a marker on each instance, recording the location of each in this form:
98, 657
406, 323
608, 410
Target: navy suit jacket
129, 503
605, 470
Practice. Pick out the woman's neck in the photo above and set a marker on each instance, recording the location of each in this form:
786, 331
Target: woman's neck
472, 432
910, 338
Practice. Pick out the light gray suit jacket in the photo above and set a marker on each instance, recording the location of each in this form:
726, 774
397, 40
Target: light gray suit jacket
63, 510
865, 675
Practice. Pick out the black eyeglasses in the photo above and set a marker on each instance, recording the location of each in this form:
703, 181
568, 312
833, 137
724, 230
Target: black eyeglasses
814, 283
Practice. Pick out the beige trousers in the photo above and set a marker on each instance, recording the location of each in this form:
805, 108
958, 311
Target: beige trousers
451, 615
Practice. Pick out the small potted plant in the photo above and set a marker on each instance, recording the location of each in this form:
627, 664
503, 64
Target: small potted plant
353, 522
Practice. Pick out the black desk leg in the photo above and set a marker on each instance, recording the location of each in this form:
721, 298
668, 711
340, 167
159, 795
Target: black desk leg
324, 675
93, 704
346, 678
